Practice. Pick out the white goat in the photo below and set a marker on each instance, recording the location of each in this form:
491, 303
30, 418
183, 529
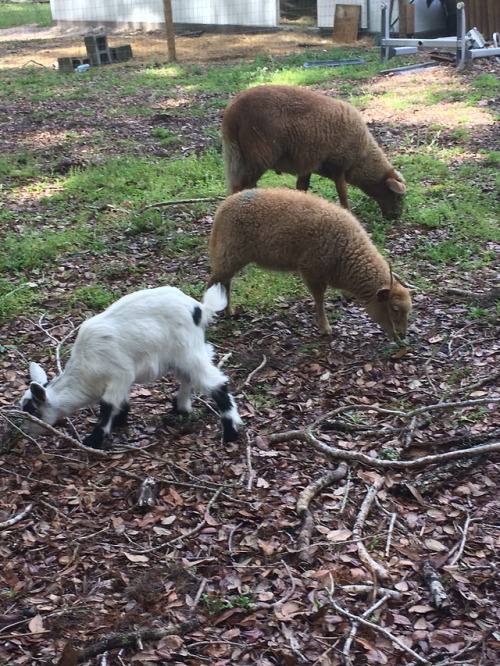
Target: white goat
138, 339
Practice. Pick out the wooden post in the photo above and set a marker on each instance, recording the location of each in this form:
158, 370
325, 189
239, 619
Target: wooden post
402, 19
169, 25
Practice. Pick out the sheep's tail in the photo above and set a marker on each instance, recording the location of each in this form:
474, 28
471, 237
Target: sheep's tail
233, 163
214, 300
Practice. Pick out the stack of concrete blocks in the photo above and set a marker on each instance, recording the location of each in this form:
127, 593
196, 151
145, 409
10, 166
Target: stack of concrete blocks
98, 53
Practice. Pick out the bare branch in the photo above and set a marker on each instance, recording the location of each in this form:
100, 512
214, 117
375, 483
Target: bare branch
377, 569
17, 518
174, 202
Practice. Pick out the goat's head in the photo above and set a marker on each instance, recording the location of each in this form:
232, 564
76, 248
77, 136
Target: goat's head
37, 401
390, 308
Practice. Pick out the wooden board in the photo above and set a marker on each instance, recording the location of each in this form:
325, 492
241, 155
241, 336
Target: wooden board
346, 23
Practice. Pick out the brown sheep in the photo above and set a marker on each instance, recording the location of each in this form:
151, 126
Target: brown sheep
301, 132
286, 230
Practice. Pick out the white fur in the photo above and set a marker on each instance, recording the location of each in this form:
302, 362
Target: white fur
138, 339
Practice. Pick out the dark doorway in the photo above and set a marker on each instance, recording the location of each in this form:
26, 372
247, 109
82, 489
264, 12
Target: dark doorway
298, 12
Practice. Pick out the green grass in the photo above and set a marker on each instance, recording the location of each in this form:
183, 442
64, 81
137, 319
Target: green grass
72, 217
13, 14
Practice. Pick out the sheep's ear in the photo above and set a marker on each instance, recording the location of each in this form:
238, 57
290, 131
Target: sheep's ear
38, 393
38, 374
383, 295
395, 185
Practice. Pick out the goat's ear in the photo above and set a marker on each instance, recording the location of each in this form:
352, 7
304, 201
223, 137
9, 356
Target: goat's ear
383, 295
397, 186
38, 392
38, 374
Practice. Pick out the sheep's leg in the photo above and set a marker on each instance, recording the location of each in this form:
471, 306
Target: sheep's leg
109, 416
303, 182
317, 289
341, 185
228, 412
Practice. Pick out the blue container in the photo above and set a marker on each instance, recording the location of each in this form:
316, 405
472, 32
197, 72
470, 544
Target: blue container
82, 68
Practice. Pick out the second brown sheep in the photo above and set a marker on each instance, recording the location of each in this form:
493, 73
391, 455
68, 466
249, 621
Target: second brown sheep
288, 230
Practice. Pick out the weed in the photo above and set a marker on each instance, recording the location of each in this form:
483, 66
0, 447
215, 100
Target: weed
217, 604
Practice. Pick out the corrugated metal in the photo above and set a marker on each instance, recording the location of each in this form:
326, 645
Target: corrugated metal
483, 15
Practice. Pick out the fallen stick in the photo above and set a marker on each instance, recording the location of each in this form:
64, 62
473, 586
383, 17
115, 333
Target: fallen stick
438, 595
173, 202
377, 569
17, 518
147, 496
304, 513
379, 463
134, 637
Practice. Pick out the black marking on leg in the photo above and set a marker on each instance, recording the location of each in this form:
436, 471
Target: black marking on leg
222, 398
120, 419
96, 438
196, 314
230, 434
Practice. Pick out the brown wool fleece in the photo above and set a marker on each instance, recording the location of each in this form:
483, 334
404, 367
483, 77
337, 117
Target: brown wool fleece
287, 230
298, 131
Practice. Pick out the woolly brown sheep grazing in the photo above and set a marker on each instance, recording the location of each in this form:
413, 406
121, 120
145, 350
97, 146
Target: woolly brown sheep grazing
299, 131
286, 230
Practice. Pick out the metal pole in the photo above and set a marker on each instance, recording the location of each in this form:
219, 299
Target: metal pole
384, 33
169, 25
461, 43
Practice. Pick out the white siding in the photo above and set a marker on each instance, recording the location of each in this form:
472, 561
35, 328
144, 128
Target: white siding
258, 13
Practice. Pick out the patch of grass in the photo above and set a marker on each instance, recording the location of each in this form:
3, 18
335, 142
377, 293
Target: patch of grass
14, 14
256, 289
95, 297
167, 137
14, 299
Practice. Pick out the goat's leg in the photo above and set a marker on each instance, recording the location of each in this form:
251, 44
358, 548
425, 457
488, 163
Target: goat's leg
109, 416
317, 288
228, 412
341, 185
303, 182
182, 399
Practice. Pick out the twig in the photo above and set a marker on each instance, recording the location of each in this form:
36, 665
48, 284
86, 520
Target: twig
379, 463
389, 534
132, 638
345, 499
173, 202
249, 464
367, 589
304, 513
54, 431
376, 627
377, 569
147, 498
354, 628
254, 372
436, 589
195, 529
460, 550
197, 598
17, 518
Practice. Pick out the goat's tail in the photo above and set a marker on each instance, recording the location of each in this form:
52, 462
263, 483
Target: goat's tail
233, 163
214, 300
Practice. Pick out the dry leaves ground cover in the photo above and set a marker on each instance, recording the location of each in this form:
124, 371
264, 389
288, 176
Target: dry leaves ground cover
225, 554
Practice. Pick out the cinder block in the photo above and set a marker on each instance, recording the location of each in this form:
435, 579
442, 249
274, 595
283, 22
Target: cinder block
68, 64
120, 53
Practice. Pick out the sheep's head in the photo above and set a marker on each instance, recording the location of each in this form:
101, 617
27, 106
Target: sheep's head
389, 194
390, 308
36, 401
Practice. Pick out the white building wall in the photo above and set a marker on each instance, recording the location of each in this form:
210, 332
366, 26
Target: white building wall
258, 13
425, 18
